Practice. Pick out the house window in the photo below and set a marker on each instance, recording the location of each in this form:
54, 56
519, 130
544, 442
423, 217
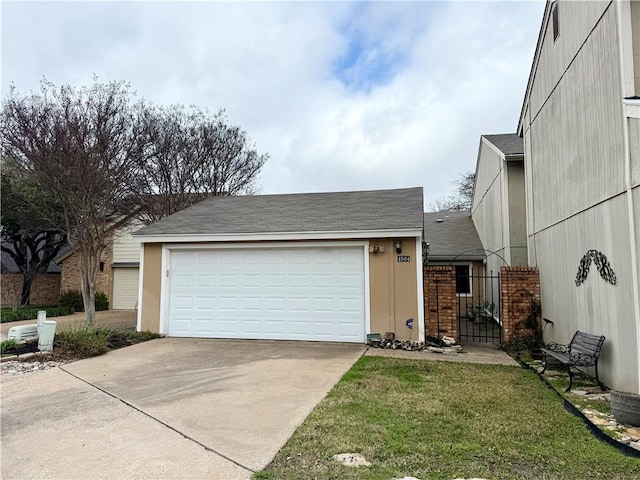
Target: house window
463, 279
554, 20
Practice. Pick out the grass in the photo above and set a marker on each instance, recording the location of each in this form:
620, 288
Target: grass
435, 420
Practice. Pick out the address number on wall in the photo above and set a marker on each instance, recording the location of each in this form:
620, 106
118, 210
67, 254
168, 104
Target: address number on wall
404, 258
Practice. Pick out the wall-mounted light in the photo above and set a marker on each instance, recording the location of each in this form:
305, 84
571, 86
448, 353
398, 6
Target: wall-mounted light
376, 249
425, 253
102, 266
398, 245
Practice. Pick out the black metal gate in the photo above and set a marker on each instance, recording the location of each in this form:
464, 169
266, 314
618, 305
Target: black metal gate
480, 311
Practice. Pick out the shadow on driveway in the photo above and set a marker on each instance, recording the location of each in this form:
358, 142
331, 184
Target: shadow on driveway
184, 408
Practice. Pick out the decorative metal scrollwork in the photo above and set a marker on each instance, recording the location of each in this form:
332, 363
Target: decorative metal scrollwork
602, 264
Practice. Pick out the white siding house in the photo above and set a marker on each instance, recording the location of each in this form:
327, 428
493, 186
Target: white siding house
125, 269
498, 204
580, 123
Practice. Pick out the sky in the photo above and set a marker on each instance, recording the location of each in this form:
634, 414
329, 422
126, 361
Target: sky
341, 95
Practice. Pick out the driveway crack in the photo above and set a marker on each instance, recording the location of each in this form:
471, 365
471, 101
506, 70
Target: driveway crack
207, 448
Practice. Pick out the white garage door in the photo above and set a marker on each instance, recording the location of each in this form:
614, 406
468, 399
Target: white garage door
125, 288
269, 293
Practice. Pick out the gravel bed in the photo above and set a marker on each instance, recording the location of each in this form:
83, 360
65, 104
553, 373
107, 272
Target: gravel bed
16, 367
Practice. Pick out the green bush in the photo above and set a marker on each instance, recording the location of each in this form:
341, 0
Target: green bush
31, 313
8, 345
83, 342
102, 302
87, 342
73, 299
523, 343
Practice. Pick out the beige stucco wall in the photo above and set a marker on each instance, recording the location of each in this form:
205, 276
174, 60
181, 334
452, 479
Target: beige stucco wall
151, 280
393, 288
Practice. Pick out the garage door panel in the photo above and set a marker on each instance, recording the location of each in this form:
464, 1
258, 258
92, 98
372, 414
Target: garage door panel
298, 293
125, 288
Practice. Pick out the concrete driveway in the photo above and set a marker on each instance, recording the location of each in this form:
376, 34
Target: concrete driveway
169, 408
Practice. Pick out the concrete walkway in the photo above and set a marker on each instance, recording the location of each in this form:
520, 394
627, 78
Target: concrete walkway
106, 318
168, 408
469, 354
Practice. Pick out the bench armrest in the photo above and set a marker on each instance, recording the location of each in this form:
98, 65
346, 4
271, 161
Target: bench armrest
582, 359
558, 347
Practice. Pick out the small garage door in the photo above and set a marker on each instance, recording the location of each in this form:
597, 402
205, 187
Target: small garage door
125, 288
271, 293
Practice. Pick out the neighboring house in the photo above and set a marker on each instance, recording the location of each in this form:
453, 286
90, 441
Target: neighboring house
498, 203
323, 267
453, 240
119, 266
45, 289
580, 123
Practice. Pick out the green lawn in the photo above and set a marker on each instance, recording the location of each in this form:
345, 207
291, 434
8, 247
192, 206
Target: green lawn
441, 420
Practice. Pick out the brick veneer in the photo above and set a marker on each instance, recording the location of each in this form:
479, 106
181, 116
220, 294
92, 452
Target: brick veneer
519, 286
70, 272
440, 300
45, 289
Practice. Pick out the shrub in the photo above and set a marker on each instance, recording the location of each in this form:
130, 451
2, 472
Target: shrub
83, 342
73, 299
8, 345
86, 342
527, 342
102, 302
31, 313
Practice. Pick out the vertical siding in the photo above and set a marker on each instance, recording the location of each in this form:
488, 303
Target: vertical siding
576, 150
635, 25
517, 214
595, 306
576, 20
634, 149
488, 202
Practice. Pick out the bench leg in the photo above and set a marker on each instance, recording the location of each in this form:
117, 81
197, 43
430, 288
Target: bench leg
602, 387
545, 364
570, 378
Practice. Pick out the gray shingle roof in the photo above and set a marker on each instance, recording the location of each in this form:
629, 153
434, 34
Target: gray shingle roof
507, 143
305, 212
455, 234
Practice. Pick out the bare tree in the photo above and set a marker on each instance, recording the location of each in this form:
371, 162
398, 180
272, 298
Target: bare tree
82, 145
460, 200
190, 155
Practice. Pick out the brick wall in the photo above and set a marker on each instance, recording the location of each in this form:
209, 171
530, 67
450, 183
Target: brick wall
45, 289
440, 301
519, 286
70, 273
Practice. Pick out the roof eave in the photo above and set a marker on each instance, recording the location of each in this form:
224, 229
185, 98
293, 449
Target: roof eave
278, 236
536, 57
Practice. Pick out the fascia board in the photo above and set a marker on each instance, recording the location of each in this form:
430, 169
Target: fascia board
277, 236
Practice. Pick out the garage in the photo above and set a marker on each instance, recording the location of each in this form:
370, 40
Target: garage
125, 288
279, 293
327, 267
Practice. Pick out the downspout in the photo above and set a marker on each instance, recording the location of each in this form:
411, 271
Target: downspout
626, 87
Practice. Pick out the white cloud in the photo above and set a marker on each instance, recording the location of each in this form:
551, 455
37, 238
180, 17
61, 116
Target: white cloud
341, 95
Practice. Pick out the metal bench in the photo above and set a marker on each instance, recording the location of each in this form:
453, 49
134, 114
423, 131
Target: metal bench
582, 351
